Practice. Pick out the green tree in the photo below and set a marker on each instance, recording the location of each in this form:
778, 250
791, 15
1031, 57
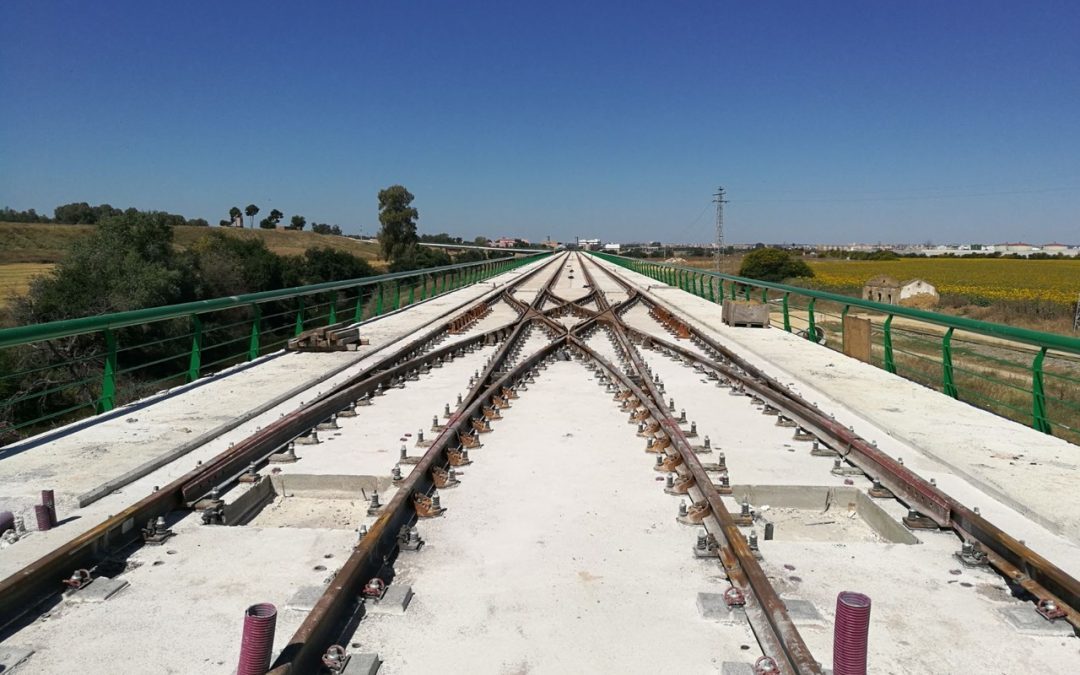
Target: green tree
297, 222
234, 213
322, 264
398, 219
773, 264
251, 211
320, 228
276, 216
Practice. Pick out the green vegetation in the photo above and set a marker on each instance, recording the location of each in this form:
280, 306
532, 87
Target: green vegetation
773, 264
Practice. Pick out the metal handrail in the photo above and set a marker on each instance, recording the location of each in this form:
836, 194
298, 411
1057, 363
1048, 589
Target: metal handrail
1025, 335
10, 337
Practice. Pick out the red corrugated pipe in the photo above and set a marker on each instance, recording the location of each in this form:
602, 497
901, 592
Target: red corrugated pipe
850, 636
258, 641
44, 517
48, 500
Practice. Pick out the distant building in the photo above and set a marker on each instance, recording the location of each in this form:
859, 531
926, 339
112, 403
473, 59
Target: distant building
888, 290
588, 244
503, 242
612, 248
882, 288
1055, 248
1018, 247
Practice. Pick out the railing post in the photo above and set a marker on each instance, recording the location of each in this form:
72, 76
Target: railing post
108, 377
787, 316
195, 362
423, 287
299, 317
712, 290
397, 296
764, 295
733, 290
358, 313
332, 316
1038, 394
380, 290
811, 330
947, 383
890, 362
254, 341
412, 292
746, 291
843, 315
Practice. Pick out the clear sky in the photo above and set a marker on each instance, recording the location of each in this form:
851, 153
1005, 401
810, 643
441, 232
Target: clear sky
825, 121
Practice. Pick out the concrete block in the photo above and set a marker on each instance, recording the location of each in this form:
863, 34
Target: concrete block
98, 590
712, 607
803, 611
10, 657
362, 664
745, 313
305, 597
1027, 621
736, 668
395, 600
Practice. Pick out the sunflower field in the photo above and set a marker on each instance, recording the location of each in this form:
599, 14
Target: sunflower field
979, 279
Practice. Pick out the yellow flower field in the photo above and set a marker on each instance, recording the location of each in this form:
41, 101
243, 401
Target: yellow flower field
989, 278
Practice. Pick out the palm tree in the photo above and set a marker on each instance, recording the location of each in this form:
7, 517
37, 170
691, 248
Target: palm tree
250, 212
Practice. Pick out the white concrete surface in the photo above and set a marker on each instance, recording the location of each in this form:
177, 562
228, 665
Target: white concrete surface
945, 437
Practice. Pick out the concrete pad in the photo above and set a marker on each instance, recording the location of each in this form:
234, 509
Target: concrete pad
305, 597
362, 664
736, 668
1027, 621
803, 611
98, 590
711, 606
11, 657
395, 600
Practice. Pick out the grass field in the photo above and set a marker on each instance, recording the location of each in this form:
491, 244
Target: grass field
989, 279
29, 249
15, 278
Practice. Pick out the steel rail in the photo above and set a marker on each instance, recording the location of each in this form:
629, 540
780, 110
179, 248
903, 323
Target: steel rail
1015, 560
772, 624
339, 606
23, 590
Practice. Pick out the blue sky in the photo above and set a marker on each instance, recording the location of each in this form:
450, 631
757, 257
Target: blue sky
826, 122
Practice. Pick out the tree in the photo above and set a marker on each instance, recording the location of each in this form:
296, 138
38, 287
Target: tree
398, 220
198, 222
319, 265
250, 211
773, 264
320, 228
480, 241
234, 213
297, 222
334, 229
276, 216
267, 223
224, 223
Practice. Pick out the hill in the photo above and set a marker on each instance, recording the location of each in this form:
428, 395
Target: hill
29, 249
49, 243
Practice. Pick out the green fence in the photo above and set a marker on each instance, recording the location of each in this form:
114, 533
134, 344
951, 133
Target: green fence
57, 372
1028, 376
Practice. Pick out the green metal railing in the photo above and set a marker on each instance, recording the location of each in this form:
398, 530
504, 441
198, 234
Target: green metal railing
58, 372
1025, 375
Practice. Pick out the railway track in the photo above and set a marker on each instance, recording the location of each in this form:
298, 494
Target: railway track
569, 314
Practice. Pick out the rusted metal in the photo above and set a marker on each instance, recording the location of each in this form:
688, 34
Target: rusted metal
1040, 577
416, 497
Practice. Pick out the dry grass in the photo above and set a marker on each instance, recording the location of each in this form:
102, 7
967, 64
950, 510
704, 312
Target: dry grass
30, 249
49, 243
15, 278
